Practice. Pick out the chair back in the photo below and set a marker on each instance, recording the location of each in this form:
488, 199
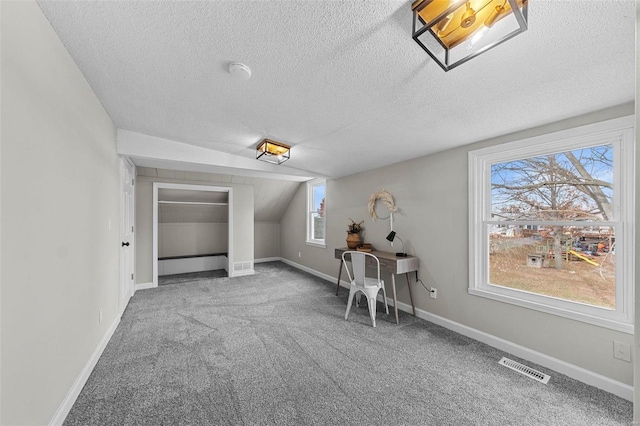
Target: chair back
358, 264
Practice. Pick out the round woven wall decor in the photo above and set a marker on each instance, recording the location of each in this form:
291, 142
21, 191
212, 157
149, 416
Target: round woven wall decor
386, 198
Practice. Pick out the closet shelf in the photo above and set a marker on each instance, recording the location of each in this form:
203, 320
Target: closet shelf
197, 203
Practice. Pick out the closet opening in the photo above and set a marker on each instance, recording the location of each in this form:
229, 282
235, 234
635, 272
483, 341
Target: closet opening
192, 231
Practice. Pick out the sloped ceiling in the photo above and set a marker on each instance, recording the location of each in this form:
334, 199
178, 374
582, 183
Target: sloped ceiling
271, 197
340, 81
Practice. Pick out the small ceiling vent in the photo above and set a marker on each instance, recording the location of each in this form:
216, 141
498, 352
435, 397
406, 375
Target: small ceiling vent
523, 369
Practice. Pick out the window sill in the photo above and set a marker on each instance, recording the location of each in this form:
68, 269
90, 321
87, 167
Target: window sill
613, 324
314, 244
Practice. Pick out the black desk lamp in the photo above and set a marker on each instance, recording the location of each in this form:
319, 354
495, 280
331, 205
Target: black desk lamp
391, 237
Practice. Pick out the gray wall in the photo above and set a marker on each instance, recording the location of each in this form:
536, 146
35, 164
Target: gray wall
243, 225
267, 240
432, 192
60, 219
183, 239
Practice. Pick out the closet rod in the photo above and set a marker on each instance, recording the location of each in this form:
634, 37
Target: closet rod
193, 203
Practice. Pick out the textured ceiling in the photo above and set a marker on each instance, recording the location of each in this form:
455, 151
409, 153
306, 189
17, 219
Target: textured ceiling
341, 81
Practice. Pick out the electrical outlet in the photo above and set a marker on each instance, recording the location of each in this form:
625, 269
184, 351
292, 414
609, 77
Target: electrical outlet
621, 351
100, 316
299, 254
434, 293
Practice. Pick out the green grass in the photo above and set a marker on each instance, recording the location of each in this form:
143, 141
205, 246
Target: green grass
578, 281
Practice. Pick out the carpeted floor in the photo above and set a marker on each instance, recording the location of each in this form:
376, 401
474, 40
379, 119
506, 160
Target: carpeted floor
274, 349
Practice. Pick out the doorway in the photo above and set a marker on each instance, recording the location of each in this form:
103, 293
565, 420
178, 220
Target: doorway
192, 228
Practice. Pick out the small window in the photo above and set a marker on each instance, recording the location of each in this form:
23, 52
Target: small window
316, 212
551, 220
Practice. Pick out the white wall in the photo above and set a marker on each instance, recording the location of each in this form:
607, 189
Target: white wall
432, 193
60, 192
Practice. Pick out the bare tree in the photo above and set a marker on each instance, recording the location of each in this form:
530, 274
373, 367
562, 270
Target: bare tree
572, 185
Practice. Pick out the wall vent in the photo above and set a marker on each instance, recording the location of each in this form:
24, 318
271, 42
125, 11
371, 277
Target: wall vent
242, 266
523, 369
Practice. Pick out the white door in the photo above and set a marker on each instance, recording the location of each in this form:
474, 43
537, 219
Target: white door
127, 178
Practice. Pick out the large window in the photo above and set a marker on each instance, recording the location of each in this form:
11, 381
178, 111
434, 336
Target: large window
551, 223
316, 212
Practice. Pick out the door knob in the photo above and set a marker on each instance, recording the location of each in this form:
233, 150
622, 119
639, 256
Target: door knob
125, 244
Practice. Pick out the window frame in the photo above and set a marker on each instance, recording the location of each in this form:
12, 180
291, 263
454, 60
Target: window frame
620, 133
310, 211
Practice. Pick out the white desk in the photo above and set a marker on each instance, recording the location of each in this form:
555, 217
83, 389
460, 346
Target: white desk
388, 262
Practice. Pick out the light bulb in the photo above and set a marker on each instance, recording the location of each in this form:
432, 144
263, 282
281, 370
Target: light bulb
495, 14
444, 23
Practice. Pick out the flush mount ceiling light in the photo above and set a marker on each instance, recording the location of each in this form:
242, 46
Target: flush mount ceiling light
455, 31
273, 152
239, 71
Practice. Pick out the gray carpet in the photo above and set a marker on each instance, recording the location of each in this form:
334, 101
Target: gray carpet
274, 349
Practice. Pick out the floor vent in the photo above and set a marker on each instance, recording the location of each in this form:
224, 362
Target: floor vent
523, 369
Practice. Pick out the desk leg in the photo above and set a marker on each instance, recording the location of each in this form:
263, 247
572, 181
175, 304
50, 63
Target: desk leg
395, 301
339, 275
411, 295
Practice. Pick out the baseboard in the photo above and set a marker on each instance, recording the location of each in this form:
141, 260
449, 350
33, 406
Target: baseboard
144, 286
578, 373
267, 259
124, 308
242, 273
75, 390
309, 270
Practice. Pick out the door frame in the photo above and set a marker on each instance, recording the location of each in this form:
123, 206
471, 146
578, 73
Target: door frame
191, 187
125, 291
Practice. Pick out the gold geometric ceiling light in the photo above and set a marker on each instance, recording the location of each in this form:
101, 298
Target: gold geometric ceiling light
273, 152
455, 31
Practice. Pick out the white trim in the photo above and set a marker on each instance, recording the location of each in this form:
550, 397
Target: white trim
309, 212
76, 388
619, 132
243, 273
309, 270
267, 259
316, 244
144, 286
536, 302
191, 187
583, 375
230, 252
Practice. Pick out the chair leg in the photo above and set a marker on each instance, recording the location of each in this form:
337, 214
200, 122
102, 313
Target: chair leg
372, 309
386, 305
351, 293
